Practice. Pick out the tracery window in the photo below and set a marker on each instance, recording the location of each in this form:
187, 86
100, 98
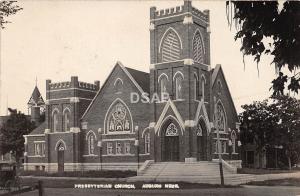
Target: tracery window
147, 143
170, 47
199, 131
220, 121
178, 86
118, 119
66, 120
55, 121
91, 143
198, 48
172, 130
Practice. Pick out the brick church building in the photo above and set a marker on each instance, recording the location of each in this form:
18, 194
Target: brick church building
87, 127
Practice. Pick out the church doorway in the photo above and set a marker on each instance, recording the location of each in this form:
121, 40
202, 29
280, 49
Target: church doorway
171, 143
201, 133
60, 158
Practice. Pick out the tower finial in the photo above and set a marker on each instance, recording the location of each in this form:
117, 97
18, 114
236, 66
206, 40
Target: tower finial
35, 80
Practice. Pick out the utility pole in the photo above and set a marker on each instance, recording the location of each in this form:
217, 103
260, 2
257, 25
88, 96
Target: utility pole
218, 142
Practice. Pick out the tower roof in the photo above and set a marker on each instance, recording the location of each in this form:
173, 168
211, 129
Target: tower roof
36, 98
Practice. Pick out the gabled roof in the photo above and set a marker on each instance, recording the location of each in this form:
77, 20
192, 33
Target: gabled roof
36, 98
39, 130
140, 80
215, 72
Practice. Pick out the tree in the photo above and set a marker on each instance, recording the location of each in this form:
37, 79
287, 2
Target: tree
257, 122
12, 131
7, 8
264, 30
288, 128
272, 123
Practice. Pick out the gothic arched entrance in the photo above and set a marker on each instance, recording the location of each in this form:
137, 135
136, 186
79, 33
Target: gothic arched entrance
60, 157
170, 147
201, 133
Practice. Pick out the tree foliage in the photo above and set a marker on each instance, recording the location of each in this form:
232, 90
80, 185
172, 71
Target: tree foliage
273, 122
258, 20
12, 131
7, 8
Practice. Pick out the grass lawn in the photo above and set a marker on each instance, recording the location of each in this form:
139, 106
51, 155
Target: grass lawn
280, 182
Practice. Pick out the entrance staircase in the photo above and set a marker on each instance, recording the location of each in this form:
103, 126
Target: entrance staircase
194, 172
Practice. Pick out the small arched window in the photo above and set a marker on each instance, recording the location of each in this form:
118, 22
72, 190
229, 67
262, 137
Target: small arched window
170, 48
198, 48
196, 86
147, 143
219, 87
91, 144
118, 84
66, 120
178, 86
55, 121
163, 86
203, 87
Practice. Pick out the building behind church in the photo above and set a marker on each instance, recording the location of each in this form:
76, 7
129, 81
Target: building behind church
87, 126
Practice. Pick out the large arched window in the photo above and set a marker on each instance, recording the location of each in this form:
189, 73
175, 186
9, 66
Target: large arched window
118, 118
91, 144
55, 121
220, 119
163, 86
66, 120
198, 48
178, 85
170, 47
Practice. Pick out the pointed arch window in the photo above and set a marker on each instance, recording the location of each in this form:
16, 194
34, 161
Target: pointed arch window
55, 121
196, 86
119, 119
198, 48
203, 87
220, 118
91, 144
178, 86
118, 84
163, 86
170, 47
172, 130
66, 120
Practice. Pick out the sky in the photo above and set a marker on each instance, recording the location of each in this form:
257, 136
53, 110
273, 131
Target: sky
59, 39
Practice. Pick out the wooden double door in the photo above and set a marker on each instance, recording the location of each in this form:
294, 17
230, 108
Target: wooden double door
171, 148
